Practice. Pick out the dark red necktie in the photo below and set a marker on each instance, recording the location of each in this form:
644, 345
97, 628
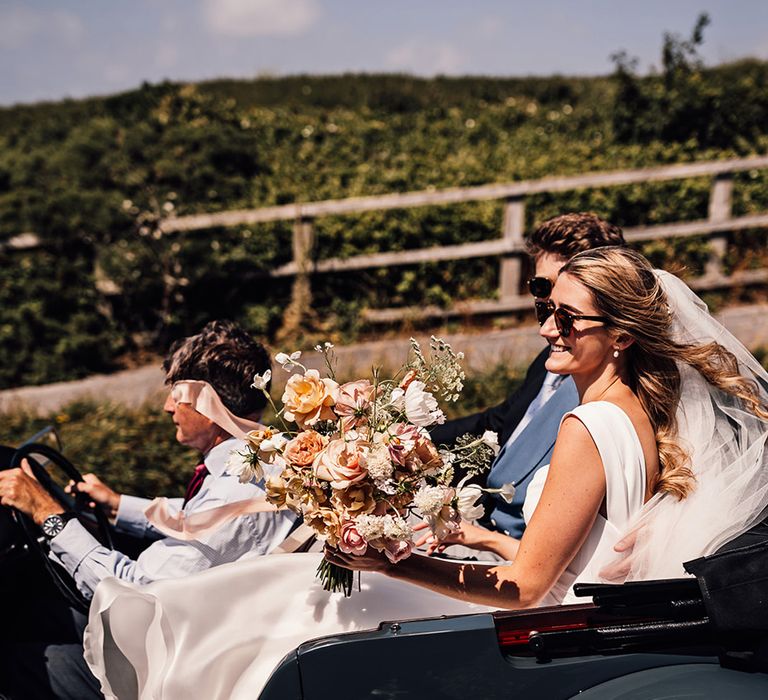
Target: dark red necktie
201, 471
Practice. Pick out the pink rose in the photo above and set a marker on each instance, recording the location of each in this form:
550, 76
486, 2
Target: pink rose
350, 541
352, 403
302, 450
340, 463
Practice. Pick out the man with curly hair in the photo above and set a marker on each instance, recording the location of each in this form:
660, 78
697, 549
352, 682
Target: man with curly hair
212, 405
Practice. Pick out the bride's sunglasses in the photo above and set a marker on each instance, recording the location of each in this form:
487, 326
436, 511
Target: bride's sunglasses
563, 318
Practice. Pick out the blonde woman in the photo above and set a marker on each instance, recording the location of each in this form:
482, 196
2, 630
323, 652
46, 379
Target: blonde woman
667, 443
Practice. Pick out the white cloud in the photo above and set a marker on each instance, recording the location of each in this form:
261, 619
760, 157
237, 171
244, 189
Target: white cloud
20, 24
244, 18
425, 57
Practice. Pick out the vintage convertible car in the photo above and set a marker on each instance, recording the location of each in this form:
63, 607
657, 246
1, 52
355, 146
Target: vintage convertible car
700, 637
703, 637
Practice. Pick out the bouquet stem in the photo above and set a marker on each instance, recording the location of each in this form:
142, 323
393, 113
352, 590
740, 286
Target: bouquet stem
335, 578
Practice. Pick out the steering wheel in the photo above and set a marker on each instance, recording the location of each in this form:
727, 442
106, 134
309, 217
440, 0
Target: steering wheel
93, 519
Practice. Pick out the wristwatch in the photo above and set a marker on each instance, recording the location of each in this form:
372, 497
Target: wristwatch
55, 523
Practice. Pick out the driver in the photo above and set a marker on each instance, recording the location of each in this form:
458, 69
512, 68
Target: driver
211, 402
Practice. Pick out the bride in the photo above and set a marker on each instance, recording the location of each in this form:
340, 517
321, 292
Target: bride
670, 429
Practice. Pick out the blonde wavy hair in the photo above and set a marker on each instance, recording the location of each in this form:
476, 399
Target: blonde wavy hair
628, 293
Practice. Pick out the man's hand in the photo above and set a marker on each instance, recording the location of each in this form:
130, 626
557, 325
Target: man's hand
99, 493
19, 489
619, 568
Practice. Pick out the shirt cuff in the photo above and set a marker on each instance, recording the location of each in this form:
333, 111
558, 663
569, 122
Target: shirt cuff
73, 544
130, 515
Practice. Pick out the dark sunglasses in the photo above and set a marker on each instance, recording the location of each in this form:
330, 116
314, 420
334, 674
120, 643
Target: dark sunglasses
563, 318
540, 287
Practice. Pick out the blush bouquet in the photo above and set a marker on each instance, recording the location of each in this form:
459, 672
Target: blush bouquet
359, 466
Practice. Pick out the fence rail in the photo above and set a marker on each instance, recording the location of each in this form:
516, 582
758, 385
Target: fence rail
509, 246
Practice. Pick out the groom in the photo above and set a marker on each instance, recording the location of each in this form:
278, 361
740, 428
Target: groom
41, 651
528, 421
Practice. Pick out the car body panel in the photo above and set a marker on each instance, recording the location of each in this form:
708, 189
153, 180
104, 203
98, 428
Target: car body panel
449, 657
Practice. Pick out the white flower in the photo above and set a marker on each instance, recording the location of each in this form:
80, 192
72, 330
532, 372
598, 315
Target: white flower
429, 500
397, 399
370, 527
288, 362
466, 502
420, 406
507, 492
243, 468
491, 439
260, 381
396, 528
270, 447
378, 463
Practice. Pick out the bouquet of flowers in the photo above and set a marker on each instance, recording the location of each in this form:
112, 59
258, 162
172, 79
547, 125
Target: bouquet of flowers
361, 461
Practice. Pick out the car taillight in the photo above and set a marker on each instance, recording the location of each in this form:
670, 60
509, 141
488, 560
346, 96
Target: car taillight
514, 628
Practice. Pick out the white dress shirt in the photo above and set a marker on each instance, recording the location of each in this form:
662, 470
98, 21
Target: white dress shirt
250, 535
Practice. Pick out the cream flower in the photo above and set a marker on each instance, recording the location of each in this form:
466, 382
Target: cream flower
467, 502
420, 406
244, 467
267, 444
308, 398
261, 381
429, 500
491, 438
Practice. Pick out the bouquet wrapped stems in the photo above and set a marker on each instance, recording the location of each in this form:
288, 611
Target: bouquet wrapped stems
335, 579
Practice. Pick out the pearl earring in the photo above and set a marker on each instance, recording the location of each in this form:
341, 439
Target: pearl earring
615, 353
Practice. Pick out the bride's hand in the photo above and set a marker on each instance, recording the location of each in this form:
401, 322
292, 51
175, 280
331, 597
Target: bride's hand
370, 561
469, 535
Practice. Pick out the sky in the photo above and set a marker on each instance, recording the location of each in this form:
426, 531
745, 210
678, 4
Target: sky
51, 49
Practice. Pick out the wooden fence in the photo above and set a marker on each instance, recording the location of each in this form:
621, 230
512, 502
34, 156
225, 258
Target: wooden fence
509, 246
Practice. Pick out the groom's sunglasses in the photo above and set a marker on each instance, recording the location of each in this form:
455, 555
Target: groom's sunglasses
540, 287
563, 318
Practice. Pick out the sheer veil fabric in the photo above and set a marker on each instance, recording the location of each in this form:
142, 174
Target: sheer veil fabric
726, 443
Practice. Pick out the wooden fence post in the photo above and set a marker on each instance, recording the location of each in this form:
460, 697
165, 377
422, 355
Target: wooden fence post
511, 266
720, 206
300, 306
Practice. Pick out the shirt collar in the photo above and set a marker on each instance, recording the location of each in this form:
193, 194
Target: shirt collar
216, 459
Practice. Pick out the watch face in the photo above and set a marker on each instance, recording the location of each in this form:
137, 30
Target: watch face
53, 525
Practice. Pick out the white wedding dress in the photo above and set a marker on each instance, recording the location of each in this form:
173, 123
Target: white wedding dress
219, 634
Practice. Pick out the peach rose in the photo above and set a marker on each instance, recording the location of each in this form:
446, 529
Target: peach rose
325, 522
428, 454
340, 463
308, 398
350, 540
275, 489
355, 500
302, 450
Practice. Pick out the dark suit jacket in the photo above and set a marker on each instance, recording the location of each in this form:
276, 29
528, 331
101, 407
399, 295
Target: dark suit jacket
502, 419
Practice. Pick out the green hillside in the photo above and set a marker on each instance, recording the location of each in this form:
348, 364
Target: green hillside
92, 177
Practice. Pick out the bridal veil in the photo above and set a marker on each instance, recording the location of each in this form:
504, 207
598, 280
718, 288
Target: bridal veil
726, 443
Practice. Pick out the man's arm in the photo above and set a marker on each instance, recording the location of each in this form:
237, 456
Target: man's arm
503, 418
89, 562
